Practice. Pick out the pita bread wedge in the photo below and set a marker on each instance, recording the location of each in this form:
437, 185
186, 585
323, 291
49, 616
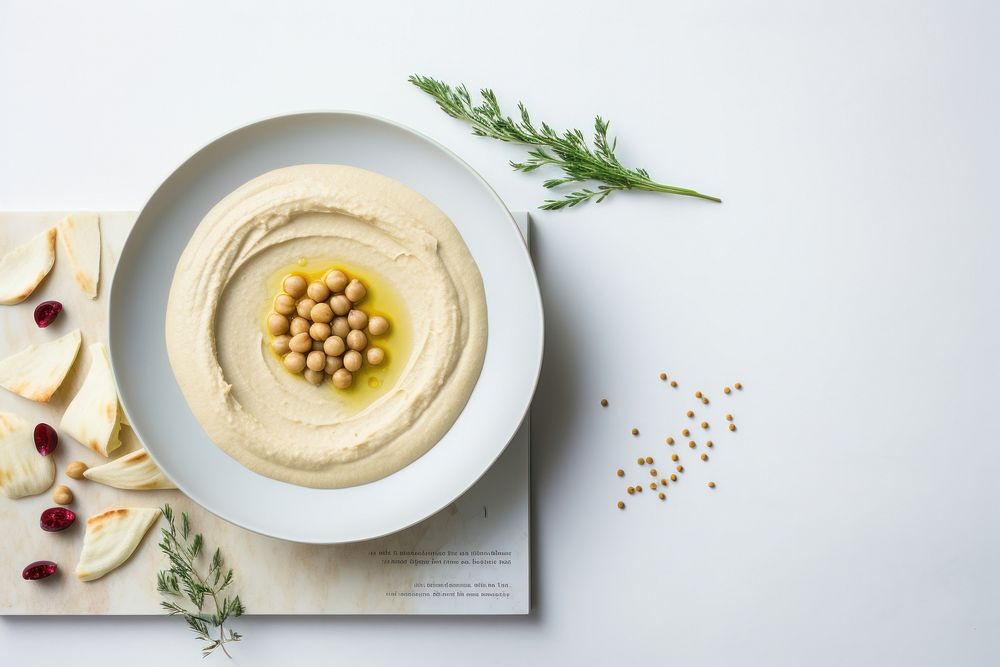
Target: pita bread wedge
111, 538
24, 267
37, 371
80, 237
135, 471
23, 471
92, 417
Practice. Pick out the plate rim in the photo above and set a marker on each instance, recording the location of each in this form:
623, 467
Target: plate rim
525, 405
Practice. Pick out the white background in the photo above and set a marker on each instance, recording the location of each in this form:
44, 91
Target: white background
849, 281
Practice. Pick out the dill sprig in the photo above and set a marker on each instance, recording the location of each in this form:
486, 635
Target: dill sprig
182, 550
568, 150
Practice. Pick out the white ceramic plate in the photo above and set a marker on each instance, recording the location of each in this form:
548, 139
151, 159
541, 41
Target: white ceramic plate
153, 401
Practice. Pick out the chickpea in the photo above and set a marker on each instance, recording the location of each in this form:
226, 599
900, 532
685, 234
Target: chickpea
294, 285
378, 325
305, 307
62, 495
340, 304
376, 355
295, 361
280, 344
277, 324
356, 340
352, 361
340, 327
299, 325
355, 291
321, 312
333, 364
314, 377
76, 469
342, 379
300, 343
316, 360
334, 346
357, 319
319, 331
335, 280
284, 305
318, 291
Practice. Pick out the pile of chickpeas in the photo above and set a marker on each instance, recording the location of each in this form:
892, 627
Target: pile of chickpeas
318, 330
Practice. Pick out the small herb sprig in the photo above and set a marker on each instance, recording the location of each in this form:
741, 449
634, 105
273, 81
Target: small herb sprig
183, 549
569, 150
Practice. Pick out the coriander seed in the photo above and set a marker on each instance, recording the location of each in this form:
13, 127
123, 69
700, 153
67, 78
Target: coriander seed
674, 457
711, 485
680, 468
621, 505
653, 472
685, 433
704, 457
640, 460
673, 477
738, 386
673, 383
704, 424
726, 390
620, 473
670, 440
732, 427
604, 402
729, 418
692, 444
690, 413
662, 495
697, 394
631, 490
635, 431
709, 443
663, 376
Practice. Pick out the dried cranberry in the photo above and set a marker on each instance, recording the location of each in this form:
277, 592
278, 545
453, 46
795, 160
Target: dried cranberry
46, 439
46, 313
39, 570
55, 519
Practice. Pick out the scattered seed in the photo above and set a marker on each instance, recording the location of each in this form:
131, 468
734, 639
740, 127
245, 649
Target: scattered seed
674, 457
711, 485
631, 490
726, 390
729, 418
663, 376
673, 477
638, 489
621, 473
649, 459
670, 441
604, 402
692, 444
732, 427
697, 394
685, 433
653, 472
680, 468
673, 383
738, 386
662, 495
635, 431
652, 486
704, 401
704, 457
690, 413
704, 424
621, 505
640, 460
663, 482
709, 443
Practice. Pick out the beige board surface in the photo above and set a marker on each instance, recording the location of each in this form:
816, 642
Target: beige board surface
470, 558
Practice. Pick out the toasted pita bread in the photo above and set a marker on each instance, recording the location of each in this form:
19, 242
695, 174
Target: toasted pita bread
135, 471
111, 538
24, 267
80, 237
37, 371
92, 415
23, 471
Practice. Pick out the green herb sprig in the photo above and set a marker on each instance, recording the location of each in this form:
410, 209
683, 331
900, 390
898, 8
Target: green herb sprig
568, 150
182, 551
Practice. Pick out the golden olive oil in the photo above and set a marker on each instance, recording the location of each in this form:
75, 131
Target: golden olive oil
371, 382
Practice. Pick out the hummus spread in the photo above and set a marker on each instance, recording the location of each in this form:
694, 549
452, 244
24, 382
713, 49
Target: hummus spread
319, 217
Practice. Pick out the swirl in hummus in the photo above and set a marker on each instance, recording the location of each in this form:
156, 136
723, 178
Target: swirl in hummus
274, 422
